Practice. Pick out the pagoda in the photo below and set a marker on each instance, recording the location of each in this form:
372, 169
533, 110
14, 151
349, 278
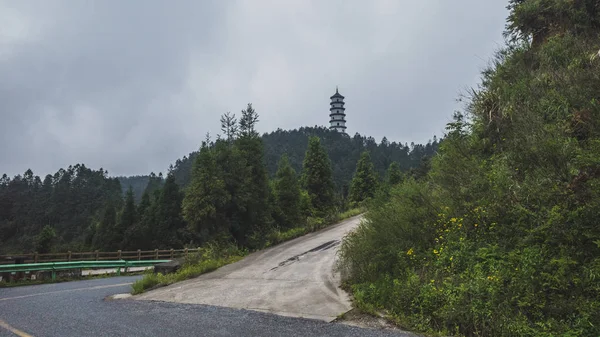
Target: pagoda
337, 113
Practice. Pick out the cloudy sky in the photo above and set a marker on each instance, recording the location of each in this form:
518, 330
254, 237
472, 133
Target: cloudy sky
131, 86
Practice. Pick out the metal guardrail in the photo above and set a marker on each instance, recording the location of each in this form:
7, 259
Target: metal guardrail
155, 254
56, 266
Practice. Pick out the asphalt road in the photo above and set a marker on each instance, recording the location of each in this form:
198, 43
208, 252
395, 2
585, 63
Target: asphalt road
80, 309
295, 279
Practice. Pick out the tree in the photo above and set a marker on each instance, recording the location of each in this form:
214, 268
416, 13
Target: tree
106, 236
364, 182
206, 197
248, 122
394, 175
256, 213
169, 230
287, 194
44, 240
128, 216
229, 126
317, 177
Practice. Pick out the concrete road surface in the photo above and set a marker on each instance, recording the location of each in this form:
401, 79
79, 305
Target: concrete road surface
80, 308
295, 278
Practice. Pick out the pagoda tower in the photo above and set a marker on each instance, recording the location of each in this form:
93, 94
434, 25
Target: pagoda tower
337, 113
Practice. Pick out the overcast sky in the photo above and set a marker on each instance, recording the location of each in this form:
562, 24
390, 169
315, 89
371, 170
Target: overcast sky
131, 86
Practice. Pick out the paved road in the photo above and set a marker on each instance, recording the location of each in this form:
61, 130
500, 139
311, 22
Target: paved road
79, 308
294, 279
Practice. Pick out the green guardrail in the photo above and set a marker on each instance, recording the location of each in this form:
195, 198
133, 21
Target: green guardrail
56, 266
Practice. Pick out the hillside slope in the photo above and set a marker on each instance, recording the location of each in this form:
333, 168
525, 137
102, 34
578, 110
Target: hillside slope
502, 237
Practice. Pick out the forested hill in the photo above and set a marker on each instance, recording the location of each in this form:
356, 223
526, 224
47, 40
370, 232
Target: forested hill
68, 200
343, 151
77, 202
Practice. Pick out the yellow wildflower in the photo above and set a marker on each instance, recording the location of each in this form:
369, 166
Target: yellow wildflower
410, 252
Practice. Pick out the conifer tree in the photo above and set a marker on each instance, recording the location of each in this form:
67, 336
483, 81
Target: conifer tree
105, 236
317, 177
394, 175
287, 194
255, 215
206, 197
169, 231
128, 216
364, 182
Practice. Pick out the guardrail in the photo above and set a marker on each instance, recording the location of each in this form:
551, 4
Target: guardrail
56, 266
129, 255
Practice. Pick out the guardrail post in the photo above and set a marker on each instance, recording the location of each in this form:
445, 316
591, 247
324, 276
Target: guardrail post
69, 256
156, 254
35, 257
97, 255
185, 251
118, 254
139, 255
172, 253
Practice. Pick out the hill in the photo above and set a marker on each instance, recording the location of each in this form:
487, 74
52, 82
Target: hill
501, 237
343, 150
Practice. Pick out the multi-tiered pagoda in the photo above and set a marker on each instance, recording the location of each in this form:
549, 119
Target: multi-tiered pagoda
337, 113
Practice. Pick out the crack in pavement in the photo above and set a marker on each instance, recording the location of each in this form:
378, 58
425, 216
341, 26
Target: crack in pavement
325, 246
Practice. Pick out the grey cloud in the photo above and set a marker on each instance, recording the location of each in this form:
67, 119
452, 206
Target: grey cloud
133, 85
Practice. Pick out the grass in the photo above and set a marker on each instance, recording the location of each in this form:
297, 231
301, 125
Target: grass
213, 257
313, 224
152, 280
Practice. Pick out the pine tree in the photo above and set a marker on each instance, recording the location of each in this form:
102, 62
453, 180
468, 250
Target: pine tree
105, 237
206, 197
394, 175
170, 229
317, 177
127, 218
255, 216
234, 171
229, 126
286, 191
364, 182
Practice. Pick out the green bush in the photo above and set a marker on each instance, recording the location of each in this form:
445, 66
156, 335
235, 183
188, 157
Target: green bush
500, 237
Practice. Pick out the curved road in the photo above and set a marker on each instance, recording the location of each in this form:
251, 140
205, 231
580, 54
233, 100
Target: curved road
81, 308
295, 278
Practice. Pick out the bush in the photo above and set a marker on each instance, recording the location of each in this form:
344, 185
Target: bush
500, 237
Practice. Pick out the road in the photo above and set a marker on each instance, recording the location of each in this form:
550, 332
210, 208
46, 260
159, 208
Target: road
82, 308
295, 278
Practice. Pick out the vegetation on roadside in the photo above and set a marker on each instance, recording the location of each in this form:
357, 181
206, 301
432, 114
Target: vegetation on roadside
209, 258
500, 237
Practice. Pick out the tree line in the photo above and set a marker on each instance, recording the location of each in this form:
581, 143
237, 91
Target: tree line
230, 197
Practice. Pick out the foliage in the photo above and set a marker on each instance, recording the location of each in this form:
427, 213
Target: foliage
44, 240
344, 152
206, 197
287, 195
393, 175
364, 183
498, 235
209, 258
69, 201
317, 177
